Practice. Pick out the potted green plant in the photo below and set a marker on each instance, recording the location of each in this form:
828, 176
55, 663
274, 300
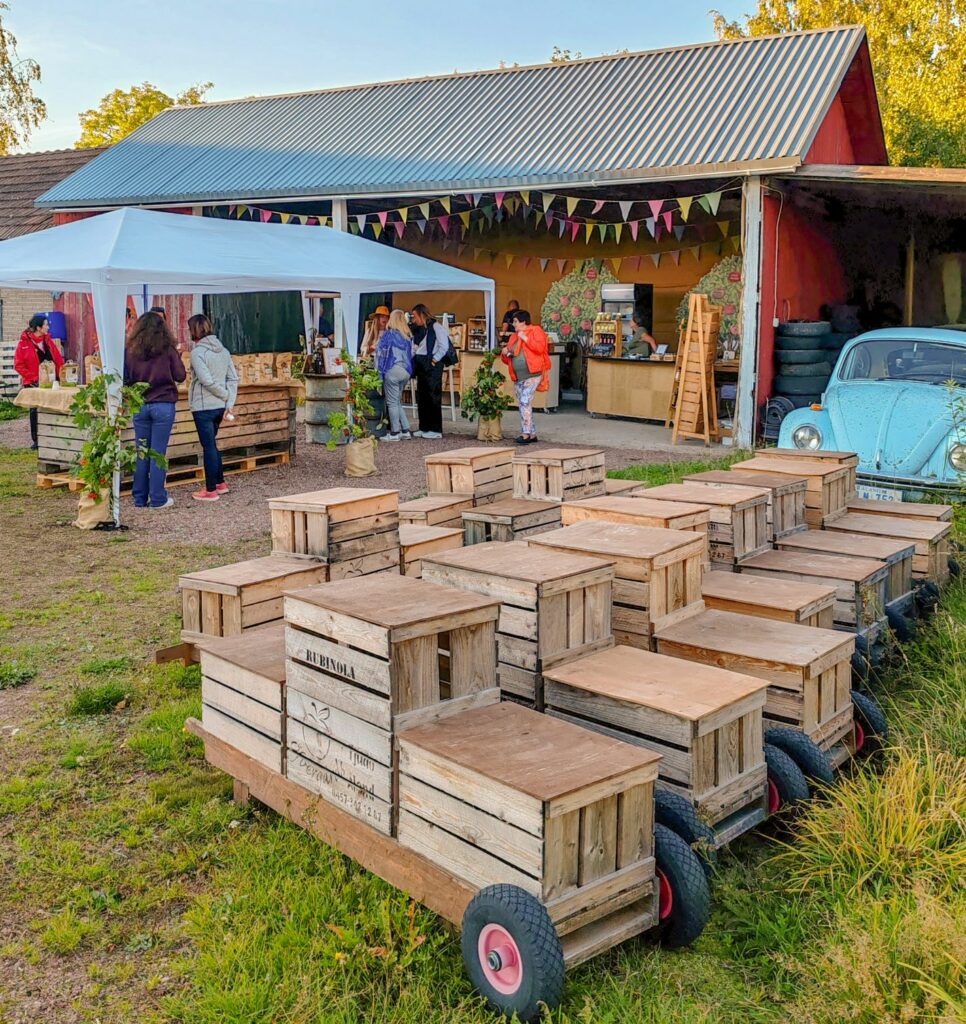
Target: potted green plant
352, 425
487, 399
105, 452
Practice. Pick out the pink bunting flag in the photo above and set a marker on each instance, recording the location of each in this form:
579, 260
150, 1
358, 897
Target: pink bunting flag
232, 209
655, 205
637, 262
469, 198
676, 256
498, 196
548, 217
526, 262
266, 215
598, 206
634, 225
444, 223
667, 215
383, 217
560, 265
574, 231
314, 221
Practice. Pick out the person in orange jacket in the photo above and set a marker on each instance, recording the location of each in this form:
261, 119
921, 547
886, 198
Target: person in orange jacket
527, 356
34, 348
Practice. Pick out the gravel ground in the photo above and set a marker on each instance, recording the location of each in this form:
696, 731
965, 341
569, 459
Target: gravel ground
242, 514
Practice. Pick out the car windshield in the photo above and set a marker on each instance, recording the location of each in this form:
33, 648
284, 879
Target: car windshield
897, 359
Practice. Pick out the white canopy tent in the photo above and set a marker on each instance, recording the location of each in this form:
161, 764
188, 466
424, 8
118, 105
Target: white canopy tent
124, 252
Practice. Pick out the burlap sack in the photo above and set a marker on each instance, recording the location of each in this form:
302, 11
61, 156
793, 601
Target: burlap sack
91, 512
489, 429
360, 457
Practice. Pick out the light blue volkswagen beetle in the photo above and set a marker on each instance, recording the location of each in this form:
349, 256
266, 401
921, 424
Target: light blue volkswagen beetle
888, 400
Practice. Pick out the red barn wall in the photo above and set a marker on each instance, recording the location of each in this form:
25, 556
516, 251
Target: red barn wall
833, 143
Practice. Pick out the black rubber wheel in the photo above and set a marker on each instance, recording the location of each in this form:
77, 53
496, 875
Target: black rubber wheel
787, 785
783, 344
774, 411
804, 357
804, 328
927, 597
954, 569
901, 625
785, 385
807, 754
809, 370
835, 341
872, 728
679, 815
512, 952
684, 898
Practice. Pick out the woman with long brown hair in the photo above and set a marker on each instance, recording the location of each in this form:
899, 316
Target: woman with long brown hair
152, 358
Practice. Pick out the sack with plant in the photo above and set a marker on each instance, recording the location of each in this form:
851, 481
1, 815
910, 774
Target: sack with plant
105, 451
486, 398
352, 425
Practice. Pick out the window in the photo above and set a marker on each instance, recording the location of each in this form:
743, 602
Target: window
912, 360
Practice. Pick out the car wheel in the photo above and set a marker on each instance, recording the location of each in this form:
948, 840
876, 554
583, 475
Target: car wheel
786, 385
808, 370
804, 328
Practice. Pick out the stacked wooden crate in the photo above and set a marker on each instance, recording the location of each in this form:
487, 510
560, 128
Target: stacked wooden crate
567, 815
353, 530
658, 572
233, 598
808, 670
415, 542
243, 693
901, 509
440, 511
553, 606
843, 460
809, 604
860, 584
706, 723
826, 490
511, 519
481, 474
365, 656
638, 511
932, 539
738, 526
613, 486
786, 497
558, 474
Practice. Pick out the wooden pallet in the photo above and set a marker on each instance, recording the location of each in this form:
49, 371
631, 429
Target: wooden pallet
508, 520
738, 526
558, 474
932, 540
566, 815
808, 670
416, 541
845, 460
693, 406
786, 497
554, 606
230, 599
363, 658
705, 723
657, 572
827, 485
440, 511
808, 604
481, 474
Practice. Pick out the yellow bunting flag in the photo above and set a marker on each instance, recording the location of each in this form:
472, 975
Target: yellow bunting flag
548, 198
571, 205
377, 229
684, 202
616, 264
465, 218
286, 217
618, 231
241, 210
525, 196
424, 209
508, 258
445, 203
588, 231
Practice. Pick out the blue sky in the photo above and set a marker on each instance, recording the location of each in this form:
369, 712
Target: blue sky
86, 48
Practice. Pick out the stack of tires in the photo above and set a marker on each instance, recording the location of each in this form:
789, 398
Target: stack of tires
804, 362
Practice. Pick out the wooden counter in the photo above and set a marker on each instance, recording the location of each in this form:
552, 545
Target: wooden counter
470, 363
638, 389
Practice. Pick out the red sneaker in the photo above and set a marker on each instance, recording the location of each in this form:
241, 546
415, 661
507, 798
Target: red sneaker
206, 495
222, 488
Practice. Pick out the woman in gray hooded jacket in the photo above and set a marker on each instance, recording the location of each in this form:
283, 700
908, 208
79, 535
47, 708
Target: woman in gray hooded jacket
214, 388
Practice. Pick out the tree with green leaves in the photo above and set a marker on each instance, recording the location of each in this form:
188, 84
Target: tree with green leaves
124, 110
20, 110
918, 52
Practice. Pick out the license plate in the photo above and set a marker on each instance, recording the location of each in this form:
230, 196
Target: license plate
878, 493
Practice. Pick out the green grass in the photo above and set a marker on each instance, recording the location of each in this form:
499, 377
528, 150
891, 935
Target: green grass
656, 473
9, 411
132, 888
15, 673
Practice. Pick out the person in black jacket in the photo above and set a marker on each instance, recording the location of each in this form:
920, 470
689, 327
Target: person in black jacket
428, 369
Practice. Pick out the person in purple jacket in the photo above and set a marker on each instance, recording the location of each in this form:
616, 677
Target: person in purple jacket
151, 357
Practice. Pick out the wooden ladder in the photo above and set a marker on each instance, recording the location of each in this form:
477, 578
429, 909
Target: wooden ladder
693, 408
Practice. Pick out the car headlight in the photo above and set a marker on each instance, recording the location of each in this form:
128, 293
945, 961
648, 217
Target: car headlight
957, 457
807, 436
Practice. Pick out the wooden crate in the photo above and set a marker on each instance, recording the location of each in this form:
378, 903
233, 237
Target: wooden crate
355, 530
638, 510
932, 540
558, 474
482, 474
706, 723
415, 542
808, 670
365, 656
809, 604
860, 584
658, 572
844, 460
440, 511
901, 509
786, 497
554, 606
566, 815
614, 486
738, 526
827, 485
243, 693
897, 555
511, 519
232, 598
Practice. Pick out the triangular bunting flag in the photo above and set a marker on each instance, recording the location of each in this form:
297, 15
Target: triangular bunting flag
649, 223
574, 230
476, 253
399, 226
499, 199
598, 206
679, 230
525, 196
543, 265
560, 265
602, 228
285, 217
313, 221
444, 201
655, 205
561, 226
377, 229
443, 221
465, 218
460, 249
488, 213
667, 215
571, 205
684, 205
526, 262
266, 216
354, 228
618, 231
445, 245
424, 210
500, 214
723, 226
695, 251
616, 264
383, 217
588, 231
548, 198
676, 256
548, 217
709, 201
656, 256
475, 198
242, 210
634, 225
361, 221
625, 206
421, 224
735, 242
232, 210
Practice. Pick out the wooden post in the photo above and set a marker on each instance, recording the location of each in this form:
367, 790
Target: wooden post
340, 217
910, 276
743, 429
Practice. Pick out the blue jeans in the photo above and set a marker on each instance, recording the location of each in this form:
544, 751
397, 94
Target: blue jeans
207, 422
152, 428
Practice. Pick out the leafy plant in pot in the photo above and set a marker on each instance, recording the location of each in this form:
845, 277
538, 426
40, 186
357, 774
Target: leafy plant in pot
486, 399
353, 424
105, 451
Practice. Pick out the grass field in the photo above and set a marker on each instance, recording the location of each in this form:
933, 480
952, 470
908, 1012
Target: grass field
134, 890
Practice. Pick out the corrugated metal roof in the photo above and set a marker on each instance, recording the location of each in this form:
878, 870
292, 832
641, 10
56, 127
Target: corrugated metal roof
705, 109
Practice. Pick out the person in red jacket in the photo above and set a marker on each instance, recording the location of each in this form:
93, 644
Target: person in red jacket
527, 356
34, 348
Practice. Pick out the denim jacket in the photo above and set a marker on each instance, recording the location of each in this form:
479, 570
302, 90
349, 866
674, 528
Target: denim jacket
394, 348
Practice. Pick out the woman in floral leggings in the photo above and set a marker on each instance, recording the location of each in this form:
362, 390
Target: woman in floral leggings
527, 356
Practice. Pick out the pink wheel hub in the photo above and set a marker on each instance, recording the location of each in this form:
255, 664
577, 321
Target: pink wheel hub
774, 798
665, 896
859, 735
500, 959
